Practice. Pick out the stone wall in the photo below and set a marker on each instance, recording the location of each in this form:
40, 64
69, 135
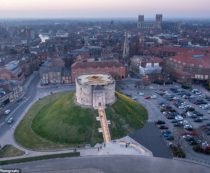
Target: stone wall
87, 96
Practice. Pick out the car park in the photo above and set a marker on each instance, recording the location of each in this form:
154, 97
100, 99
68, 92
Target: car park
185, 110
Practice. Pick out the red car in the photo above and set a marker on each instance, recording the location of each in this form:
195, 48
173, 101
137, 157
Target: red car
193, 133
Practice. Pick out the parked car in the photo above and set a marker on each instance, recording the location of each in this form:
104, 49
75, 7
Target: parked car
160, 122
153, 97
147, 97
6, 112
188, 127
169, 138
141, 94
179, 118
198, 120
178, 125
10, 120
163, 127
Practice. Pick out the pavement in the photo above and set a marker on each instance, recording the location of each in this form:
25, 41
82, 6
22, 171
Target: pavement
110, 164
104, 125
123, 146
150, 137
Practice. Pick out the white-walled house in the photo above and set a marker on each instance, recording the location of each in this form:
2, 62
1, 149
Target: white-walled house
150, 67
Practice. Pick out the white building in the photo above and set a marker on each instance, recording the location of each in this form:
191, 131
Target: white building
145, 65
149, 68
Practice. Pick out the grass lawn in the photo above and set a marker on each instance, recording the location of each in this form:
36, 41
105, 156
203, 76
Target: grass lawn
10, 151
56, 122
126, 116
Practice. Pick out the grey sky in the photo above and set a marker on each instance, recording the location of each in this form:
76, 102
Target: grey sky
103, 8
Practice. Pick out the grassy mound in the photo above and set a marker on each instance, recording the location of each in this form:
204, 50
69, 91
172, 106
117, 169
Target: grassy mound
62, 121
56, 122
126, 116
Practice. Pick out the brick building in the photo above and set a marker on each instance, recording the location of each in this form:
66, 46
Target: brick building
53, 71
9, 92
114, 68
190, 65
12, 71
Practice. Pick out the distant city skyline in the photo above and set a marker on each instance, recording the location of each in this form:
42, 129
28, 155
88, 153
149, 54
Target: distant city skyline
103, 8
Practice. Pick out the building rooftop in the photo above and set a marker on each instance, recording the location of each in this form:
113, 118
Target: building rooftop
12, 65
195, 58
95, 79
97, 64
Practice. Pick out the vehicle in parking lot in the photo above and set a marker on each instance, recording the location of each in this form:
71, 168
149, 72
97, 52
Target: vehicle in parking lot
190, 140
193, 133
168, 135
170, 117
174, 121
160, 122
153, 97
141, 94
188, 127
198, 120
134, 98
179, 118
178, 124
163, 127
169, 138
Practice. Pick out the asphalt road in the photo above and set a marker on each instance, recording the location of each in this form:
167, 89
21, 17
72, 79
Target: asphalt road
110, 164
19, 107
150, 137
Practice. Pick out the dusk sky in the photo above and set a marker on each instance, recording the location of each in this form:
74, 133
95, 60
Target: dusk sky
103, 8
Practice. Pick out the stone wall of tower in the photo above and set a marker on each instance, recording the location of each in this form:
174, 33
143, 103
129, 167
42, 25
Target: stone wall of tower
86, 96
110, 93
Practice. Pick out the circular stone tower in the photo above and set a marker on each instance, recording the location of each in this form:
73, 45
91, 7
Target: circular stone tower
95, 90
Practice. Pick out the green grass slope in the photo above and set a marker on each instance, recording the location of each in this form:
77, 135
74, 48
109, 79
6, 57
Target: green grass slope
56, 122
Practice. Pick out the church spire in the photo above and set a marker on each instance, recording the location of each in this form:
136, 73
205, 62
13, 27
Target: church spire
126, 48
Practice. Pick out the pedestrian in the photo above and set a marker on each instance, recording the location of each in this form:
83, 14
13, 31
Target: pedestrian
98, 148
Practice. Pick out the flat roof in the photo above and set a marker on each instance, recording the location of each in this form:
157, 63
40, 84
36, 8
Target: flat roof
95, 79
